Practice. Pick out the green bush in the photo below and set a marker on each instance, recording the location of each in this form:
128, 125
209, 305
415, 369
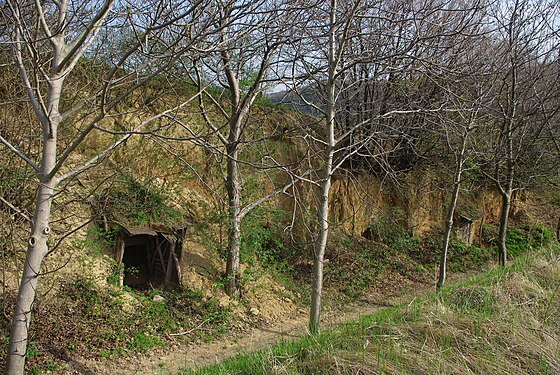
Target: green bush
489, 233
463, 257
143, 342
139, 203
541, 235
356, 263
517, 241
520, 239
141, 326
390, 228
261, 238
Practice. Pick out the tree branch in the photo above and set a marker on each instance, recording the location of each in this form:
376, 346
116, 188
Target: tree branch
17, 210
19, 153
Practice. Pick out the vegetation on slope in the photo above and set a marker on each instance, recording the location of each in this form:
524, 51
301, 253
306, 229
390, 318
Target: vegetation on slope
86, 321
87, 316
506, 320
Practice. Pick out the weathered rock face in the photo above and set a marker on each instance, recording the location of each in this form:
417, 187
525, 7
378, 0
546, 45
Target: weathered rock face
424, 203
359, 201
420, 202
355, 202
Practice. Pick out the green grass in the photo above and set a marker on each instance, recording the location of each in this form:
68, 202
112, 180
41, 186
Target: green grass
506, 320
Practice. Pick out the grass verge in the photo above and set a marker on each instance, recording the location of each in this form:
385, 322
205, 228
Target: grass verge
506, 320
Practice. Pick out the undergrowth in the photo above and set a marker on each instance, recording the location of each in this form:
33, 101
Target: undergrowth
90, 321
506, 320
139, 203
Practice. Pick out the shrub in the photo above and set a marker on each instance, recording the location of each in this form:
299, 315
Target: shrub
137, 202
262, 238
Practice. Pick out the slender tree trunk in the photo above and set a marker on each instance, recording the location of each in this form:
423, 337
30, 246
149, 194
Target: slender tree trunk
506, 204
234, 236
319, 254
507, 192
451, 212
447, 233
325, 186
504, 216
508, 134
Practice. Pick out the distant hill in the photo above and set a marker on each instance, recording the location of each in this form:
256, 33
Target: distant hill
303, 101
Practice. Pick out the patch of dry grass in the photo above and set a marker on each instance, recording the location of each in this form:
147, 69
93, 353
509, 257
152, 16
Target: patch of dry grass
506, 321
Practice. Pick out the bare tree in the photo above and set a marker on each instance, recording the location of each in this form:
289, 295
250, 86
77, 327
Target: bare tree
526, 43
355, 57
460, 71
247, 38
47, 42
462, 129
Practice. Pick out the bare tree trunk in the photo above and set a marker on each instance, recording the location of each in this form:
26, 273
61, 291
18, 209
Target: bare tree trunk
451, 211
323, 209
234, 237
241, 102
504, 216
36, 251
44, 37
37, 243
448, 227
506, 199
507, 193
319, 253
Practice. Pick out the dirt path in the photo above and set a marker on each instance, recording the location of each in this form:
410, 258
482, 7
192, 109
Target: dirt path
171, 360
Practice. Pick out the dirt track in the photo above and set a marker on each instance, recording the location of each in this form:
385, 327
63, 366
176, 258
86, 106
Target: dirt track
170, 361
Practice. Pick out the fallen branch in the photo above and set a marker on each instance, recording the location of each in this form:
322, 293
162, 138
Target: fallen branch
190, 330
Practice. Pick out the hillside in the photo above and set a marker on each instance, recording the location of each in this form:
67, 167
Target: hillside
154, 200
159, 192
385, 241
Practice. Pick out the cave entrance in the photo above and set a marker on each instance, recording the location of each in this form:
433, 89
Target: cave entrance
149, 258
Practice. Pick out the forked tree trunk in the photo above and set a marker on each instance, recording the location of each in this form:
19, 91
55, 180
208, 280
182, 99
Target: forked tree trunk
506, 205
48, 116
37, 243
233, 179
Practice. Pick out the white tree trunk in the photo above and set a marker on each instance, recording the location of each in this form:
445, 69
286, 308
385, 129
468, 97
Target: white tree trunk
451, 211
325, 185
37, 243
319, 253
36, 251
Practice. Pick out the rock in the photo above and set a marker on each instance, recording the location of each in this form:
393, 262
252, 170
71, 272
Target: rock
254, 311
157, 298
